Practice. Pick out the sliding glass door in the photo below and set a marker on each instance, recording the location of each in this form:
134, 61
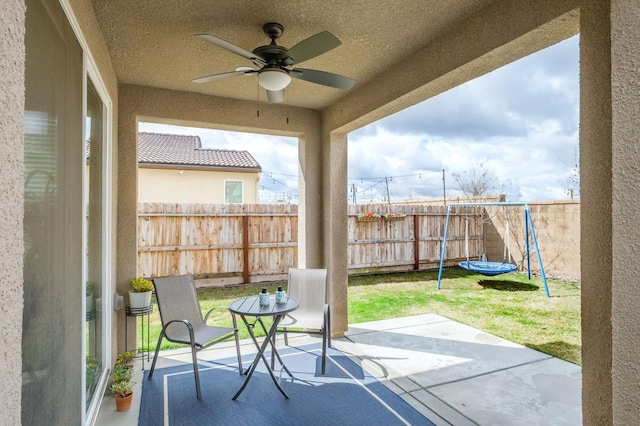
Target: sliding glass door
65, 345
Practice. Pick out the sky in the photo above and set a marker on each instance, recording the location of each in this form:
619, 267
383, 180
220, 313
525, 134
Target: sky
519, 123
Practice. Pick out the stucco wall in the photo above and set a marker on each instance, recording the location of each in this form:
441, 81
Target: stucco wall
625, 81
12, 64
192, 186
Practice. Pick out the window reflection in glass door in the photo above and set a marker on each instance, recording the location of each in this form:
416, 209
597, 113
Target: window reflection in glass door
94, 285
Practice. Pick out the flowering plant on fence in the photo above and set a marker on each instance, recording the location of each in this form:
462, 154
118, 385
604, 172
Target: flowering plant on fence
394, 216
368, 215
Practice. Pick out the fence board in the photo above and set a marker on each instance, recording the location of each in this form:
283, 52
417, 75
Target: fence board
210, 240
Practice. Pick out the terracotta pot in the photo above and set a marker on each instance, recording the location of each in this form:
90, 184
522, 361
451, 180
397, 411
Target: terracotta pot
123, 404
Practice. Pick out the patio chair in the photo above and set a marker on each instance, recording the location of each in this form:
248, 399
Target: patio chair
309, 288
182, 320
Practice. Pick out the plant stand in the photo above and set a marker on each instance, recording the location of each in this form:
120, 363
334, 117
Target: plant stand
135, 313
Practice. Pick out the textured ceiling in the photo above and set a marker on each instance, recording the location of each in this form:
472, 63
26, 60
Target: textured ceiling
152, 43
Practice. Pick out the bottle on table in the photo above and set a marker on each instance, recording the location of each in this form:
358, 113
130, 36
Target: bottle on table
264, 297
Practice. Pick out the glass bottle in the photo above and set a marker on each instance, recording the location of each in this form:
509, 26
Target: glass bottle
264, 297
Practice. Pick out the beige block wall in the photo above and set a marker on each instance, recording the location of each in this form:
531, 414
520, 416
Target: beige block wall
557, 228
156, 185
12, 64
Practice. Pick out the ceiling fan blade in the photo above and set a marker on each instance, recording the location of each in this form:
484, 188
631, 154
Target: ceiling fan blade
275, 96
216, 77
232, 48
322, 77
313, 46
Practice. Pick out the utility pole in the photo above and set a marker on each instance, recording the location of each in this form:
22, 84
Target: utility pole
444, 189
353, 193
386, 181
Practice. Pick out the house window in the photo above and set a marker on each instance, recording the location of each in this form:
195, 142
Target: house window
233, 191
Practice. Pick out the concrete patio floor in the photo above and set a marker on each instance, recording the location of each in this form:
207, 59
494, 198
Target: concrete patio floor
452, 373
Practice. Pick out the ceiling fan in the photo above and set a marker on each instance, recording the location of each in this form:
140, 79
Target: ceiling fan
275, 64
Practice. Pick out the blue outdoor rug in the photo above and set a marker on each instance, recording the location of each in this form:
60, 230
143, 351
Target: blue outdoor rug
345, 395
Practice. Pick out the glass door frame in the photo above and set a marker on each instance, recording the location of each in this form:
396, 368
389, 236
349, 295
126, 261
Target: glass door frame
91, 73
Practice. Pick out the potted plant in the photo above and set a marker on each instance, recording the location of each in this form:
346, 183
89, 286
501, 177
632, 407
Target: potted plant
368, 217
124, 358
140, 293
122, 373
394, 217
123, 393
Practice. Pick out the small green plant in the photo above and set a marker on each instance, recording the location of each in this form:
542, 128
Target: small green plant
124, 358
89, 288
121, 389
141, 284
122, 373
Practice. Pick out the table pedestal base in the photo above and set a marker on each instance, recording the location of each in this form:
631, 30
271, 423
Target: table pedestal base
269, 339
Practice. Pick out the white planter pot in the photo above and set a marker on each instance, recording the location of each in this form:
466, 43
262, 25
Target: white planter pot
139, 300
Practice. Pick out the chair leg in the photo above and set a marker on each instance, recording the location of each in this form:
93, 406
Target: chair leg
326, 337
195, 369
155, 356
324, 351
235, 333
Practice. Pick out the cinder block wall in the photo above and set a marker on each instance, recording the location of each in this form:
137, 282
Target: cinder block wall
557, 227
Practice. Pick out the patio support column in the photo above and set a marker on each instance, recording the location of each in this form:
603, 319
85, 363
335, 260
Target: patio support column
336, 230
595, 215
310, 197
610, 199
127, 244
625, 127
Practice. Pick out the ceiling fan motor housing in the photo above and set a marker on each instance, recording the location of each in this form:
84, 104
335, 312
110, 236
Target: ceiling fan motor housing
273, 30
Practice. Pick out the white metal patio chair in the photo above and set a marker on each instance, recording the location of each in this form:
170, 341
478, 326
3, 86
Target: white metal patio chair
309, 288
182, 321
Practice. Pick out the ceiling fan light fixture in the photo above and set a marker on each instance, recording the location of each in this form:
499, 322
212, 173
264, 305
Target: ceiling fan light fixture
274, 79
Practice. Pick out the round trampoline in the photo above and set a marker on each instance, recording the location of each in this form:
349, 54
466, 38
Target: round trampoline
488, 268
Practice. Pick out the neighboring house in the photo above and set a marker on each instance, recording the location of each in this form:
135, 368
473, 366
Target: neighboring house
177, 169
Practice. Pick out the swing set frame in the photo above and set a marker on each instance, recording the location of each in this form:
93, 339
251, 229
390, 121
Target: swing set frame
529, 234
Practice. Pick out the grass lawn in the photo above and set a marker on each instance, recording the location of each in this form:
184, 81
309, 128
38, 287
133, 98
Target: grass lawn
509, 306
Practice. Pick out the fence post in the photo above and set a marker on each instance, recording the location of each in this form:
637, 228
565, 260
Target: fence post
245, 249
416, 242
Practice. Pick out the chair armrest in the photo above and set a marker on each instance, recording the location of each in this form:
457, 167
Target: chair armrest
185, 322
206, 317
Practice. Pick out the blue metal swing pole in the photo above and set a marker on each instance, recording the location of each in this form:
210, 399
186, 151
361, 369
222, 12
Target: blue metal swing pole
527, 217
535, 241
444, 245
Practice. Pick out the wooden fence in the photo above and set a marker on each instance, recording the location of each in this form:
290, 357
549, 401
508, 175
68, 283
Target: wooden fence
234, 244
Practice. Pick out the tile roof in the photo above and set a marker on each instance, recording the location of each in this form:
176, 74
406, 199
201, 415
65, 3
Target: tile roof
156, 148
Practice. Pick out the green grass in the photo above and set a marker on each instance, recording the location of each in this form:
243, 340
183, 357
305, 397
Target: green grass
508, 306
